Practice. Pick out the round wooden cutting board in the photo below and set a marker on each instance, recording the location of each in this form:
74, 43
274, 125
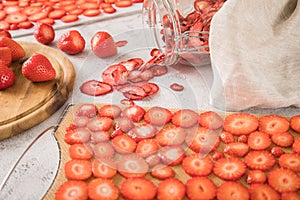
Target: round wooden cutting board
27, 104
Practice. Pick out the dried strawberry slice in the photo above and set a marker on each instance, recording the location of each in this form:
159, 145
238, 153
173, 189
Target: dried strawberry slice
57, 14
133, 89
95, 88
30, 10
143, 131
91, 13
114, 74
121, 43
69, 18
4, 25
38, 16
123, 3
15, 18
109, 10
154, 88
130, 64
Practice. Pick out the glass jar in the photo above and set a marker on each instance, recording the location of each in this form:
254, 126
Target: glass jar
180, 28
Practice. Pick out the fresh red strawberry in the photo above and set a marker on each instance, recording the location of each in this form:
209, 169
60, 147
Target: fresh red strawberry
72, 190
17, 50
185, 118
44, 33
273, 124
162, 172
210, 120
135, 113
194, 165
87, 109
7, 77
81, 121
230, 168
158, 116
71, 42
290, 161
153, 160
100, 136
138, 188
295, 123
77, 136
263, 192
38, 68
240, 123
132, 165
170, 135
276, 151
202, 140
103, 189
116, 133
5, 33
95, 88
80, 152
146, 147
104, 168
111, 111
242, 138
226, 137
142, 131
124, 124
103, 45
115, 75
258, 140
15, 18
124, 144
103, 150
5, 56
200, 188
233, 191
100, 124
284, 180
171, 155
171, 189
290, 196
217, 155
236, 149
262, 160
296, 145
283, 139
78, 169
256, 177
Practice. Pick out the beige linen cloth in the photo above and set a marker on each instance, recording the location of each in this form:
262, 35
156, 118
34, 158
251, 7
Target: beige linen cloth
255, 54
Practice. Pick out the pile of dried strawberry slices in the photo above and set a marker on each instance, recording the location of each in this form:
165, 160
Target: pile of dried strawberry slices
132, 152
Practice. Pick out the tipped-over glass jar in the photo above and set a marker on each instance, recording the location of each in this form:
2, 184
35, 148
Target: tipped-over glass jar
180, 28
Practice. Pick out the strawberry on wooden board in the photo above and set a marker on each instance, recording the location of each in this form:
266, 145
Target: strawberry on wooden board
236, 149
263, 192
185, 118
258, 140
7, 77
194, 165
295, 123
77, 136
72, 190
170, 135
162, 172
201, 188
103, 189
124, 144
290, 161
276, 151
124, 124
100, 124
158, 116
17, 50
78, 169
284, 180
99, 136
232, 191
87, 109
38, 68
290, 196
146, 147
44, 33
132, 165
5, 56
210, 120
171, 189
284, 139
103, 45
142, 131
138, 188
71, 42
171, 155
262, 160
111, 111
135, 113
229, 168
273, 124
103, 150
256, 177
104, 168
80, 152
240, 123
296, 145
226, 137
81, 121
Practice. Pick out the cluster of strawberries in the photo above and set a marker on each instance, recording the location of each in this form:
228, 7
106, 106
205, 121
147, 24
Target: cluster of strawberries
138, 153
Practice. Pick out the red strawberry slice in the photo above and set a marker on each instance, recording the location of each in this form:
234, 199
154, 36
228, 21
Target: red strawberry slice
16, 49
263, 191
236, 149
284, 180
158, 116
103, 189
124, 144
132, 165
295, 123
233, 191
226, 137
259, 140
142, 131
194, 165
100, 124
80, 152
91, 12
229, 169
5, 33
153, 160
7, 77
88, 110
276, 151
185, 118
69, 18
123, 3
30, 10
201, 187
109, 10
15, 18
135, 113
171, 189
132, 64
5, 56
4, 25
284, 139
256, 177
38, 16
103, 45
81, 121
104, 168
25, 25
44, 33
57, 14
240, 123
290, 161
138, 188
133, 92
103, 150
210, 120
262, 160
162, 172
71, 42
242, 138
217, 155
154, 88
111, 111
95, 88
78, 169
38, 68
273, 124
171, 155
296, 145
121, 43
100, 136
77, 136
72, 190
290, 196
124, 124
115, 74
170, 135
147, 147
